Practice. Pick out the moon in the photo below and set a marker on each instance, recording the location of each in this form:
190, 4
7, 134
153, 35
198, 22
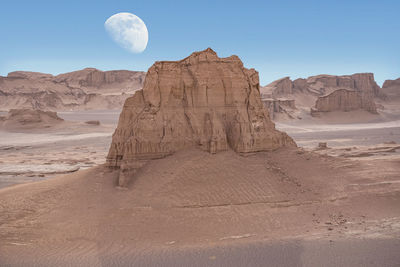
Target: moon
128, 31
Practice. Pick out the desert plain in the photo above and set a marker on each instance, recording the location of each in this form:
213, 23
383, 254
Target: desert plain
333, 199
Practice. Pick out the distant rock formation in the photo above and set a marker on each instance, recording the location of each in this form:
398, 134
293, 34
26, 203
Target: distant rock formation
343, 100
96, 123
360, 88
324, 84
279, 106
84, 89
277, 88
391, 88
96, 81
28, 118
201, 101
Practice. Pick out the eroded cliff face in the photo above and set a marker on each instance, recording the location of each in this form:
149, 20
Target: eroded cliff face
277, 88
391, 88
28, 118
275, 106
344, 100
96, 81
324, 84
201, 101
85, 89
328, 92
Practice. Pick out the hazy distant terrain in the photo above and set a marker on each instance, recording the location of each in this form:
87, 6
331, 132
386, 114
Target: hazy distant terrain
86, 89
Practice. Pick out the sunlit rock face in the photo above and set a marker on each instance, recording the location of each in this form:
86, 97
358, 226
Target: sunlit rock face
325, 93
201, 101
320, 85
391, 89
344, 100
79, 90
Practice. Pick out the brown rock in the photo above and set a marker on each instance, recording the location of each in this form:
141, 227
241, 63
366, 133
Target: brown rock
278, 106
325, 84
344, 100
360, 82
282, 86
308, 91
93, 122
391, 88
201, 101
300, 84
84, 89
390, 83
322, 145
94, 80
29, 75
22, 118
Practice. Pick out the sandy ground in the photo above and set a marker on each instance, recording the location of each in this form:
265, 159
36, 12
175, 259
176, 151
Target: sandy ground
291, 207
40, 154
357, 134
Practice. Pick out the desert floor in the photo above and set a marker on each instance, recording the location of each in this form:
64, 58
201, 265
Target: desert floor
291, 207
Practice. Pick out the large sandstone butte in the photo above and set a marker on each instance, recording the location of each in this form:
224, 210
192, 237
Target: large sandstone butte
201, 101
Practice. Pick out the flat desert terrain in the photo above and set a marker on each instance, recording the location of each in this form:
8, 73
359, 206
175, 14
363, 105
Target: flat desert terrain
291, 207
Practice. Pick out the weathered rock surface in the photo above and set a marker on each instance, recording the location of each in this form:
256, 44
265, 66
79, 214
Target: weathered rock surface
201, 101
94, 80
344, 100
282, 86
336, 92
20, 118
85, 89
324, 84
391, 88
279, 105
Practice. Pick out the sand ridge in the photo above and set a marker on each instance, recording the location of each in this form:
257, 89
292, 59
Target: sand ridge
208, 200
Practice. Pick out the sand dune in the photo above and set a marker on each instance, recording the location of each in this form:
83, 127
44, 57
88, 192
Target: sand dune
196, 199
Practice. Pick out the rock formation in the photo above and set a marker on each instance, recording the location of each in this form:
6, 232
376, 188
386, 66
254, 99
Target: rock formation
201, 101
344, 100
316, 91
279, 87
391, 88
85, 89
96, 81
96, 123
325, 84
28, 118
279, 106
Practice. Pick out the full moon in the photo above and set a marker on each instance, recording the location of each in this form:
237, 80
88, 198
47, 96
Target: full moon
128, 30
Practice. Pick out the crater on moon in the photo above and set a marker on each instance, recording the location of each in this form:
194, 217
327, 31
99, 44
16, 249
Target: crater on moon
128, 30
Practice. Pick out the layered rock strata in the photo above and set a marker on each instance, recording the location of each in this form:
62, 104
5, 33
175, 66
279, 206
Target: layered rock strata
391, 88
201, 101
336, 92
85, 89
344, 100
17, 118
278, 106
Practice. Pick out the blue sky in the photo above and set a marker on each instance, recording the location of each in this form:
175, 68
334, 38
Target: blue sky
277, 38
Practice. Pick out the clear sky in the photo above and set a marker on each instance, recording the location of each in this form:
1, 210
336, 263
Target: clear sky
277, 38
